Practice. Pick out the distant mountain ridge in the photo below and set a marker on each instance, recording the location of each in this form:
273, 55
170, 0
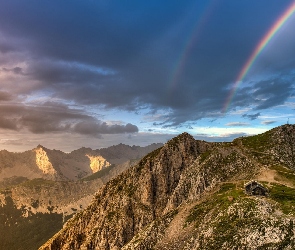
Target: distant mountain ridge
46, 187
44, 163
190, 194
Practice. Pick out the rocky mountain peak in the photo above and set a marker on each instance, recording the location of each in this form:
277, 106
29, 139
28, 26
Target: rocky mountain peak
132, 200
43, 163
182, 138
97, 163
40, 146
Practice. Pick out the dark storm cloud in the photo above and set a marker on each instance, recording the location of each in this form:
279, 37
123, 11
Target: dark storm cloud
54, 117
70, 80
5, 47
273, 92
97, 128
15, 70
251, 117
5, 96
92, 31
131, 56
64, 73
8, 123
41, 123
265, 94
43, 118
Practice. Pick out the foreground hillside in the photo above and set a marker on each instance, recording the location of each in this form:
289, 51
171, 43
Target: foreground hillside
41, 189
190, 195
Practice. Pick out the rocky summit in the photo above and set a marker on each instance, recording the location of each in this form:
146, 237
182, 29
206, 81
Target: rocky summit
192, 194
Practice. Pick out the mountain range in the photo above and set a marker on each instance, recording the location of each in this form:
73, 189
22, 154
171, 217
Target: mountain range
191, 194
40, 189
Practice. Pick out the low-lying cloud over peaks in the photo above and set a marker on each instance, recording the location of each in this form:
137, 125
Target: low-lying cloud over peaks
50, 117
97, 128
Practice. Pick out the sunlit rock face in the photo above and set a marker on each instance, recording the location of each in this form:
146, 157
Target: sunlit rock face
97, 163
43, 162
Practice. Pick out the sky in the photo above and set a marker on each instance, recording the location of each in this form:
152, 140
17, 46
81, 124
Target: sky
97, 73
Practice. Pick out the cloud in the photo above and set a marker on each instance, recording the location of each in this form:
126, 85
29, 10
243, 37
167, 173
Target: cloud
268, 122
42, 123
267, 93
5, 47
17, 142
49, 117
237, 124
15, 70
97, 128
251, 117
274, 92
8, 123
133, 57
5, 96
117, 64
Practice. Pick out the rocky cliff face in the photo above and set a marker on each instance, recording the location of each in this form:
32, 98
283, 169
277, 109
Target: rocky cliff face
190, 195
136, 198
43, 163
97, 163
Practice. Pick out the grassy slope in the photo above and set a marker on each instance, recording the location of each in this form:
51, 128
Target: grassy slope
229, 212
281, 202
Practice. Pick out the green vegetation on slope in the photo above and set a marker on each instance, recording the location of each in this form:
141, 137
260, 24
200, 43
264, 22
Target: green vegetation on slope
227, 193
285, 196
259, 142
231, 214
284, 175
38, 182
12, 181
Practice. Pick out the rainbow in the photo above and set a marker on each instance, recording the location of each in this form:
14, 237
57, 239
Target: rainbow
261, 45
189, 44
